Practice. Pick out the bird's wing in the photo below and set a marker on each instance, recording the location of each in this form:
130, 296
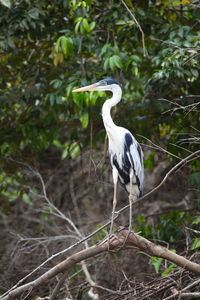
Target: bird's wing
135, 156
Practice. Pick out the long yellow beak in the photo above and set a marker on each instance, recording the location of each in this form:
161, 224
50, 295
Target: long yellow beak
92, 87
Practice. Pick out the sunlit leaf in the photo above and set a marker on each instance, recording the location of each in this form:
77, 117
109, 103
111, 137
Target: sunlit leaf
86, 25
168, 270
26, 199
196, 220
74, 150
92, 25
156, 263
6, 3
65, 153
196, 244
121, 22
84, 119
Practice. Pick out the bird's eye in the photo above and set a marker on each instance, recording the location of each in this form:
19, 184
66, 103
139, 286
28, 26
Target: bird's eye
103, 82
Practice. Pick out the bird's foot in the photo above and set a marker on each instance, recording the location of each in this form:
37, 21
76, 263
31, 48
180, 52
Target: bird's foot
108, 239
129, 231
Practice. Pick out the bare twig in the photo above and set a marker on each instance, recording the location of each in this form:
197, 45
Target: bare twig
54, 207
180, 163
154, 146
138, 25
91, 293
183, 161
194, 295
79, 236
59, 253
58, 286
196, 282
118, 241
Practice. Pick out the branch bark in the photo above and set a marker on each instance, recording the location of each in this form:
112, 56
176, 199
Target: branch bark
183, 161
121, 241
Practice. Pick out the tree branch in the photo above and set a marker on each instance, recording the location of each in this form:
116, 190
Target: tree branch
119, 241
183, 161
140, 28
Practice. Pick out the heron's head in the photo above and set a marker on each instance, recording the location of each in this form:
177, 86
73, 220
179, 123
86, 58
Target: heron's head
107, 84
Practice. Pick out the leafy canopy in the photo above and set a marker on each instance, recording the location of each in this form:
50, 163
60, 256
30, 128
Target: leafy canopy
48, 48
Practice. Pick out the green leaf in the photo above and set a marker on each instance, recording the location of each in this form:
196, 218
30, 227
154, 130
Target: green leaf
6, 3
89, 2
76, 29
86, 25
92, 25
115, 60
121, 22
84, 119
136, 71
33, 13
74, 150
26, 199
58, 44
93, 96
80, 99
195, 72
65, 153
52, 99
64, 45
70, 45
105, 65
105, 49
56, 83
59, 99
57, 143
168, 270
141, 219
111, 63
156, 262
196, 220
196, 244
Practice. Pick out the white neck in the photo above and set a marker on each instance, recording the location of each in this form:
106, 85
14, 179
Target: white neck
107, 120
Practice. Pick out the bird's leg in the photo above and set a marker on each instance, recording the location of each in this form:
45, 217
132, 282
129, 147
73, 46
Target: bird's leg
115, 179
130, 200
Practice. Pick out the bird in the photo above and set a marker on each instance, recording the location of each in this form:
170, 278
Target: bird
126, 155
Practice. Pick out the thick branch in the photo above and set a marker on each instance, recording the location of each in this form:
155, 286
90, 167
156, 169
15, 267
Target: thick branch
117, 241
183, 161
159, 251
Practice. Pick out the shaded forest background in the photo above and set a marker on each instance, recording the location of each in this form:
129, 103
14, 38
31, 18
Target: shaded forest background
53, 144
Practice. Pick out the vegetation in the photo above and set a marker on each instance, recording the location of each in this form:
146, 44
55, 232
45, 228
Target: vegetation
47, 48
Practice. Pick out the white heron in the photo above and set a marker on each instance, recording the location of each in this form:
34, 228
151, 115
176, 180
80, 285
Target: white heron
125, 153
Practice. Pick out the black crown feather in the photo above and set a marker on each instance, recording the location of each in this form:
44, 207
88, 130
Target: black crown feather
109, 81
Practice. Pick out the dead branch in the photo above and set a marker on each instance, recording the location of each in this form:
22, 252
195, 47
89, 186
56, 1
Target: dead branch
191, 295
194, 295
118, 241
182, 292
17, 288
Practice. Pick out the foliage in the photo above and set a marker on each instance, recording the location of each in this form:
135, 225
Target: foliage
169, 227
195, 180
49, 48
196, 244
157, 262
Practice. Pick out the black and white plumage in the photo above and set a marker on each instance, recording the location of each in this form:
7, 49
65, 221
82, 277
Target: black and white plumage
125, 153
131, 158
